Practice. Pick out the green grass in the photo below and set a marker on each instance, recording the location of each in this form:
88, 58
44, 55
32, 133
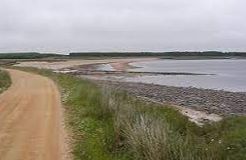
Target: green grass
110, 125
5, 80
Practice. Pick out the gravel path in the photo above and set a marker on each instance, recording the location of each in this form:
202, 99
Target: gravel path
31, 120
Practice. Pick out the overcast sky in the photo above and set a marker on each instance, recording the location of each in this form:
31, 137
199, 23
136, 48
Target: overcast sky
122, 25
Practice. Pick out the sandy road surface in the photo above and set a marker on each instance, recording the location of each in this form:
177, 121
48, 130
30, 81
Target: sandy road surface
31, 119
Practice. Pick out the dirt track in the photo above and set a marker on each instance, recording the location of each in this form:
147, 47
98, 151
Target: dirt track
31, 119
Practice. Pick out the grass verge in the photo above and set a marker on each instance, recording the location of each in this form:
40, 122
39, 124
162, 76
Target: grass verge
5, 80
111, 125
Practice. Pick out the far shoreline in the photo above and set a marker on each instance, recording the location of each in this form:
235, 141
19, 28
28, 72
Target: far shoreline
209, 101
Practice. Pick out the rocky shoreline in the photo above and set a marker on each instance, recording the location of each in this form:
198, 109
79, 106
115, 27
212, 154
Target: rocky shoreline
209, 101
206, 100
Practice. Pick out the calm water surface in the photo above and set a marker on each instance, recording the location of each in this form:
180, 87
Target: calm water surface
230, 74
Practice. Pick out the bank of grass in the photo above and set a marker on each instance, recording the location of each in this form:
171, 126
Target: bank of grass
111, 125
5, 80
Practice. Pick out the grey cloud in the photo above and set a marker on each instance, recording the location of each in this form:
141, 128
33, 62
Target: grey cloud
121, 25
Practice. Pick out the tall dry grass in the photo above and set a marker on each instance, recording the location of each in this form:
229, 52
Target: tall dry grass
148, 135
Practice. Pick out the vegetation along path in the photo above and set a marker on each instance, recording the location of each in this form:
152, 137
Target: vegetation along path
31, 119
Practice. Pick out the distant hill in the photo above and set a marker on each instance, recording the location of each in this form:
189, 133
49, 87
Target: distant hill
26, 55
149, 54
36, 55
